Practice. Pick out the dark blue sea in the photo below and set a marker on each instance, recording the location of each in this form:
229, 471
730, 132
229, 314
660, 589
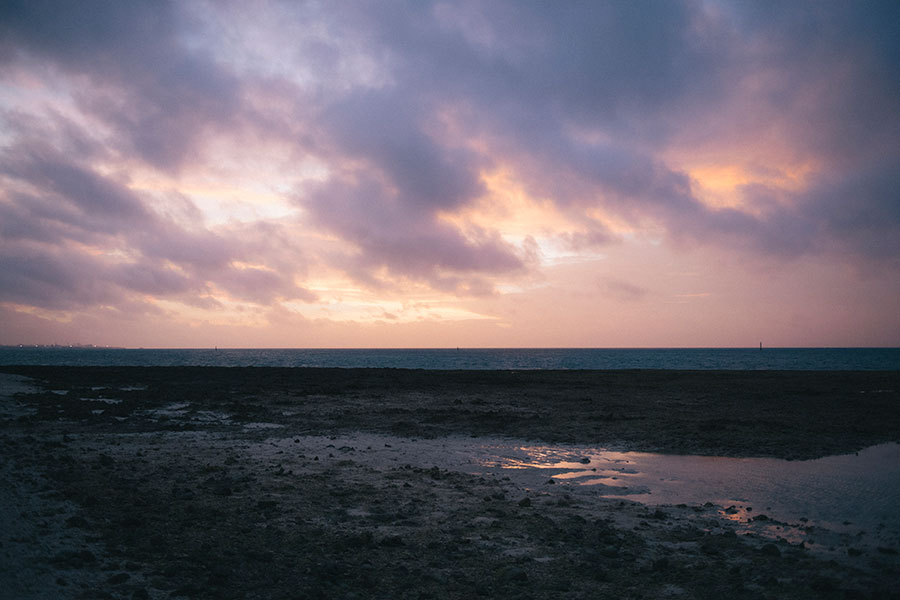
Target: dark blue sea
791, 359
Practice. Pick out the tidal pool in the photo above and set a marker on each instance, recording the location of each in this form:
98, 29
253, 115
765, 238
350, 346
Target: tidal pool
854, 493
853, 496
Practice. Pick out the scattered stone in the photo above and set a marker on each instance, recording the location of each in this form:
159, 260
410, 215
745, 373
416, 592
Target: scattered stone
118, 579
609, 552
264, 556
823, 584
132, 522
392, 541
186, 591
72, 559
515, 575
328, 539
77, 522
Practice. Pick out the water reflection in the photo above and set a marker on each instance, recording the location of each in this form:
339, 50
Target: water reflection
858, 491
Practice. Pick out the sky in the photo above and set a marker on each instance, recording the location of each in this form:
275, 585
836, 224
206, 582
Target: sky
450, 174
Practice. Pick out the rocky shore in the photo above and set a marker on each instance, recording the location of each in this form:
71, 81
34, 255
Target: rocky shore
330, 483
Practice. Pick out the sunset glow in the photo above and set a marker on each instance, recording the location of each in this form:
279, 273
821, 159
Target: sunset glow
443, 174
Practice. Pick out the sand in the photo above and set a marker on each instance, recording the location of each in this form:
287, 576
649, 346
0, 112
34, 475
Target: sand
330, 483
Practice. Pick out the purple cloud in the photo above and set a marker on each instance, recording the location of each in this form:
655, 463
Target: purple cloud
157, 95
407, 105
46, 263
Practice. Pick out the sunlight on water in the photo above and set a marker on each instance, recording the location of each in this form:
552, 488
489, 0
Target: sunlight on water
854, 492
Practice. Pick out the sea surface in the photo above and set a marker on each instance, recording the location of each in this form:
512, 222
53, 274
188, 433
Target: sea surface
743, 359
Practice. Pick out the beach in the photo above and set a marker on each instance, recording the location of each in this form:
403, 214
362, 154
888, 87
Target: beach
131, 482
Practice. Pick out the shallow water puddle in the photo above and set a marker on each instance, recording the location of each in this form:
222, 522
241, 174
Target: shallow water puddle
103, 400
847, 493
10, 385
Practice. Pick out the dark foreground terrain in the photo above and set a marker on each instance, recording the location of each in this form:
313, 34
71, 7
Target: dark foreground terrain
222, 483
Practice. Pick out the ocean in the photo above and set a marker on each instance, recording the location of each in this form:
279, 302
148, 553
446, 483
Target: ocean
743, 359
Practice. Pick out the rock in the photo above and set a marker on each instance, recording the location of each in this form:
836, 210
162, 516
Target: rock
186, 591
131, 522
715, 545
609, 552
118, 579
264, 556
222, 489
77, 522
770, 550
516, 574
392, 541
823, 584
74, 559
525, 502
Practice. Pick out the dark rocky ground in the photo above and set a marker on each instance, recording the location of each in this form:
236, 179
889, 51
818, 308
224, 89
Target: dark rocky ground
175, 482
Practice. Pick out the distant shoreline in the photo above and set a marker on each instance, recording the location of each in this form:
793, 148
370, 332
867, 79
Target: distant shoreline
783, 414
739, 359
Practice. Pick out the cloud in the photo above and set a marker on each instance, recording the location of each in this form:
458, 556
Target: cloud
85, 238
384, 131
860, 210
157, 95
115, 117
390, 232
583, 109
622, 290
50, 278
71, 194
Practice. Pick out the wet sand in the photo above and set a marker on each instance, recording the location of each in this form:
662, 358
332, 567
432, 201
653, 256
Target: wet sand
331, 483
